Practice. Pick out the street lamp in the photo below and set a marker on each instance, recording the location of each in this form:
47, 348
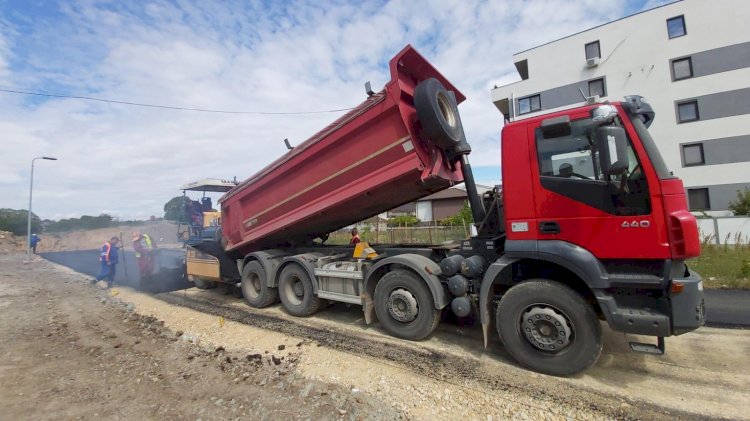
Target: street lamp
31, 189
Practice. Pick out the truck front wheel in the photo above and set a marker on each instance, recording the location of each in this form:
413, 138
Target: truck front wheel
548, 327
256, 291
404, 306
296, 292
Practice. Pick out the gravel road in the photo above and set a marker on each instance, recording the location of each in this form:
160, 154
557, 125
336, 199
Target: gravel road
367, 373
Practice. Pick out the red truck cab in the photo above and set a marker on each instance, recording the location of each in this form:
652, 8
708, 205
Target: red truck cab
588, 202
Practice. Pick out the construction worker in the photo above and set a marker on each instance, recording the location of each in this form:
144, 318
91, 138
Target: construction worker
144, 252
109, 257
355, 237
34, 241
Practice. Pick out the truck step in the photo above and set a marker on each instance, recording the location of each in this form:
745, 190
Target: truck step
657, 349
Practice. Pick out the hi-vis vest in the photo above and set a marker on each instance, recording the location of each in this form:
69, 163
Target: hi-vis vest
147, 242
104, 256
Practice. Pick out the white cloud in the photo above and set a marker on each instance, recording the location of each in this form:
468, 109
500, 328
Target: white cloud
246, 56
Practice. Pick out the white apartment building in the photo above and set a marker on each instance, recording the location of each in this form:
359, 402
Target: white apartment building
691, 61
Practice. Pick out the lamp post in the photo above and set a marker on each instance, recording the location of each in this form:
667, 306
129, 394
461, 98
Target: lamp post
31, 189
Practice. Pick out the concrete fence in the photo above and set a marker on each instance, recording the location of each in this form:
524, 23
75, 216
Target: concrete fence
725, 229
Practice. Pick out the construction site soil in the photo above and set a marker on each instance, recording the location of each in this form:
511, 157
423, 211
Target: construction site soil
72, 350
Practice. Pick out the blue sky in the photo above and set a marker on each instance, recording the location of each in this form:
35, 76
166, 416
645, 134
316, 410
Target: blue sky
244, 55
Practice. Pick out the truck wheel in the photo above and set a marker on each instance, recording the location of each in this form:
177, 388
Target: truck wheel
256, 291
203, 284
438, 114
296, 292
549, 328
404, 306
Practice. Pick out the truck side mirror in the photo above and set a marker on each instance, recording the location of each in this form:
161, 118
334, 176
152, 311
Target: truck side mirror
612, 144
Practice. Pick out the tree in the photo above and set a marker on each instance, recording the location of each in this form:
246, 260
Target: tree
85, 222
741, 206
16, 221
174, 209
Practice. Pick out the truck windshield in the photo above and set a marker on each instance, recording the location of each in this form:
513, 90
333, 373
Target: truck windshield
650, 146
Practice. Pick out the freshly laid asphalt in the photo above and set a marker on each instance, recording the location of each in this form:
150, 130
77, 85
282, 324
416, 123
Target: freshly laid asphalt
169, 268
724, 307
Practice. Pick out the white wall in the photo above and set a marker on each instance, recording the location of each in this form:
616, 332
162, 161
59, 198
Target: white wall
635, 60
733, 227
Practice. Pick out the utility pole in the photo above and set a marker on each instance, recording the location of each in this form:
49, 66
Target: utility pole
31, 190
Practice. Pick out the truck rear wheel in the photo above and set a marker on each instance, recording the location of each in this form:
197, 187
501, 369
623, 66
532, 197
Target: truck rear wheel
296, 292
255, 288
548, 327
404, 306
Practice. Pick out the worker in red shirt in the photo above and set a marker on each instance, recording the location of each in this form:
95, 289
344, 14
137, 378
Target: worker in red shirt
355, 237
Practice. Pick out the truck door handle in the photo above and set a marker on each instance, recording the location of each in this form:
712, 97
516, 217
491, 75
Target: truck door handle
549, 227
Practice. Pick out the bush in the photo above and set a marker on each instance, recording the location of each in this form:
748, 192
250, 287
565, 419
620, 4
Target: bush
741, 206
405, 220
463, 217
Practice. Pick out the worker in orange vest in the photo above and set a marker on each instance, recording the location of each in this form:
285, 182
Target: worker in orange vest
109, 257
355, 237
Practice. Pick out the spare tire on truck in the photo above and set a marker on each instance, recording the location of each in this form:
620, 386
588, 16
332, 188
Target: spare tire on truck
438, 113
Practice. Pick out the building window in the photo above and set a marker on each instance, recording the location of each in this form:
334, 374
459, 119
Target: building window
676, 27
592, 50
698, 199
693, 154
687, 111
529, 104
682, 69
596, 87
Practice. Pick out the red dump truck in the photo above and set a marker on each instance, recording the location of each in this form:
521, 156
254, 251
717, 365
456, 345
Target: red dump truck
561, 248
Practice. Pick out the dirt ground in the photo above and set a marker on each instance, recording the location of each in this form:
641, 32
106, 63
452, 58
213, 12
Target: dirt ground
73, 351
164, 233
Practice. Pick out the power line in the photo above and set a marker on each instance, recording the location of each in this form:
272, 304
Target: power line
168, 107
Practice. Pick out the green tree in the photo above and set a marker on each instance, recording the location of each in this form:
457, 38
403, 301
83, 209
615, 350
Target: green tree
462, 217
174, 209
741, 206
16, 221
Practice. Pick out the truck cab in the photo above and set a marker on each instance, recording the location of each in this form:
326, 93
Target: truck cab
589, 204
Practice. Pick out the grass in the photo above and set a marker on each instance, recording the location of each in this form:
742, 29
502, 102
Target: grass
723, 265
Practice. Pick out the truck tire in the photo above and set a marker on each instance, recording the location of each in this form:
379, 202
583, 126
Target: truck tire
296, 292
254, 287
548, 327
438, 114
203, 284
404, 306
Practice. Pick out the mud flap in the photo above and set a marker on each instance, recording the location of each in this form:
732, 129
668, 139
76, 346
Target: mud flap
498, 272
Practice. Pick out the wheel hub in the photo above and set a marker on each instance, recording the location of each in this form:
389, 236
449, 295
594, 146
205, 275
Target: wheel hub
299, 290
402, 305
546, 328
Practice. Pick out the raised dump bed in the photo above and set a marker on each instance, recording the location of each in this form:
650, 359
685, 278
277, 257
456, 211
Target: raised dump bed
372, 159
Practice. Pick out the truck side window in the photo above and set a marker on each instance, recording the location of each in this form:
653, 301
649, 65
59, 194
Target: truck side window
569, 165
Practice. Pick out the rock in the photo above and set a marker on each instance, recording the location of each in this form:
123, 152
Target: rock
219, 402
281, 347
179, 333
342, 411
219, 349
276, 360
306, 391
130, 307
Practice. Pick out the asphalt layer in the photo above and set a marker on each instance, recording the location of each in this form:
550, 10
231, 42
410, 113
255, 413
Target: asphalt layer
169, 268
727, 307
